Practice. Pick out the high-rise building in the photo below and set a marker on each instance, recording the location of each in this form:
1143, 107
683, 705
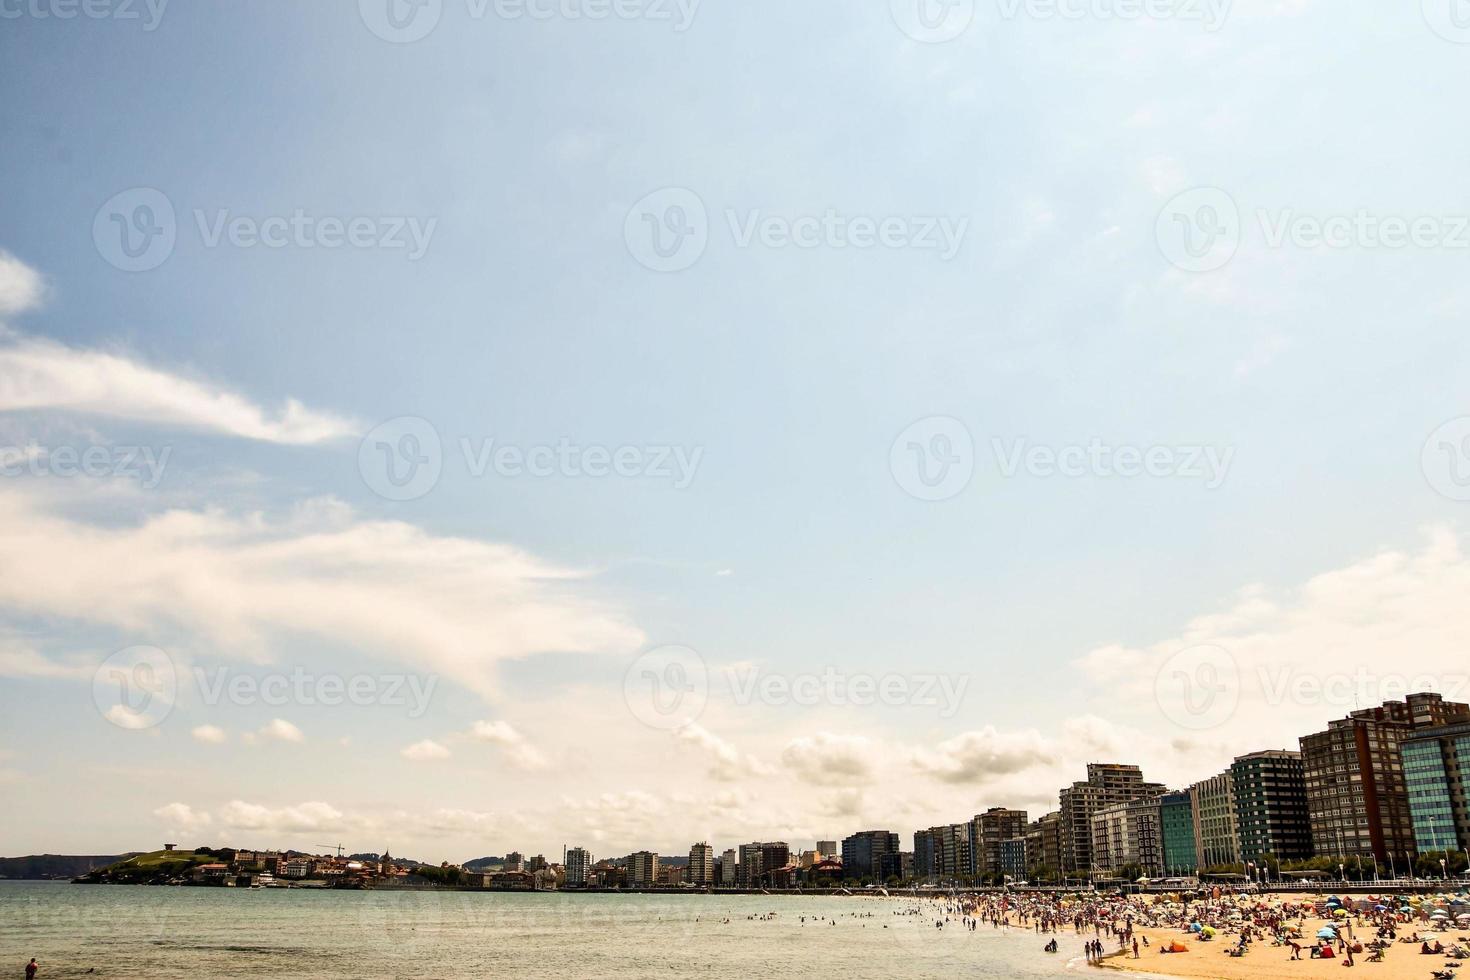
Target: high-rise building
642, 869
1176, 831
1128, 834
926, 851
775, 855
1013, 862
701, 864
828, 849
1437, 777
1216, 840
1044, 845
729, 868
871, 854
1271, 806
579, 866
987, 830
1357, 798
1106, 784
748, 875
514, 861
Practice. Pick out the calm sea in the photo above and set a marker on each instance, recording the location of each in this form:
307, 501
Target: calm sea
133, 931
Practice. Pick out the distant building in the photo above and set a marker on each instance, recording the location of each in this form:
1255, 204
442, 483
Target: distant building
828, 849
1044, 845
514, 861
1106, 784
702, 865
871, 854
1217, 841
987, 830
1013, 862
748, 874
579, 867
1357, 798
1437, 778
642, 869
1128, 834
1176, 833
1271, 806
775, 855
729, 868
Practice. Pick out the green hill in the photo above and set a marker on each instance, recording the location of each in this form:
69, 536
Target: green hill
154, 866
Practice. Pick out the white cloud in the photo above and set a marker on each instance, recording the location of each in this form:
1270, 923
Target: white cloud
20, 285
1288, 661
726, 761
517, 751
313, 816
236, 585
831, 760
982, 755
41, 375
209, 734
182, 818
24, 662
280, 730
425, 751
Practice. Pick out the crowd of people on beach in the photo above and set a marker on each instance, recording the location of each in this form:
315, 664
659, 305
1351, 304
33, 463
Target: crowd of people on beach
1328, 928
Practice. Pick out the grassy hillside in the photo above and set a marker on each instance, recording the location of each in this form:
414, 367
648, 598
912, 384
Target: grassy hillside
152, 866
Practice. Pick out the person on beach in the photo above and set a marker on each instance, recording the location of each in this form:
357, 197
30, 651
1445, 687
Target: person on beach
31, 969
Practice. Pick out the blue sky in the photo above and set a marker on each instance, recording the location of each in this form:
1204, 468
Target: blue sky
524, 150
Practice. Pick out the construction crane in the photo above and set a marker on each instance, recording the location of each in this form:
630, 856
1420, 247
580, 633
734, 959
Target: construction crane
338, 847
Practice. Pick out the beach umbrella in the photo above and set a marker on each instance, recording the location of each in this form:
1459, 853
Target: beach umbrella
1327, 932
1341, 912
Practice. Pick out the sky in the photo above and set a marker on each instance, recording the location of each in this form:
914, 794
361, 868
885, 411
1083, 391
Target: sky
483, 425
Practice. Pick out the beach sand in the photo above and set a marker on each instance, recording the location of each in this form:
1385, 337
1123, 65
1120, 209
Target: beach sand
1267, 962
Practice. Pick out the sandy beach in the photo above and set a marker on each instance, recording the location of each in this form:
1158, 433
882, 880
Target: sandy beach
1267, 962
